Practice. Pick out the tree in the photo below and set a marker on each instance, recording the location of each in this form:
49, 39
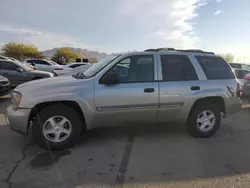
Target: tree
228, 57
20, 51
65, 55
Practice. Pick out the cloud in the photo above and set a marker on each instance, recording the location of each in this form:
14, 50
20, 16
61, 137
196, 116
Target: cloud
218, 1
170, 18
143, 23
217, 12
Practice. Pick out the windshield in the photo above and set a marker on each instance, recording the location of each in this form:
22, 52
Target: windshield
97, 67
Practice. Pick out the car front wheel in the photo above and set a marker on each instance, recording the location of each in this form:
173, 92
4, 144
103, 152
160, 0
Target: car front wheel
56, 127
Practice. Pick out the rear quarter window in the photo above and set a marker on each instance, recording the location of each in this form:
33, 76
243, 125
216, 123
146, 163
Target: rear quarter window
215, 67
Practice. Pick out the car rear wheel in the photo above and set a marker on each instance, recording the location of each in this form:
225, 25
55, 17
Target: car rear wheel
56, 127
204, 120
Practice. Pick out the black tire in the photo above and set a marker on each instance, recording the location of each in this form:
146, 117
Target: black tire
192, 126
56, 110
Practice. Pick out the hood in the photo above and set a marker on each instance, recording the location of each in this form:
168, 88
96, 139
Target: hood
46, 82
52, 89
55, 85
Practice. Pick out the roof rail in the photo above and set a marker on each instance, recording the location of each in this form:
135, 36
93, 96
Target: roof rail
177, 50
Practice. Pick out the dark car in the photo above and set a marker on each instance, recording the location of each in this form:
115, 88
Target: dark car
4, 85
18, 73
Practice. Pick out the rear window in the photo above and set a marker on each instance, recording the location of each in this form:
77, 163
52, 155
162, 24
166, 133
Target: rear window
240, 73
215, 68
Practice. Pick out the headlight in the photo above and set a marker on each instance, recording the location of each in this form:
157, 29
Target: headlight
16, 99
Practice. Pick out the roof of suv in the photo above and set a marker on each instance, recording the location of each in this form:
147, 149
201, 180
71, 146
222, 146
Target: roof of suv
178, 50
173, 50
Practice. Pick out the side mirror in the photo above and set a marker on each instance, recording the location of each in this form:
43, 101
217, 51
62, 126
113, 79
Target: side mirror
19, 69
109, 78
33, 64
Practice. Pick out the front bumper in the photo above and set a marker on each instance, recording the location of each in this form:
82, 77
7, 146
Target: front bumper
17, 120
233, 105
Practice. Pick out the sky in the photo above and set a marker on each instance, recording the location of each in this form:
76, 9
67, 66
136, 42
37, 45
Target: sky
221, 26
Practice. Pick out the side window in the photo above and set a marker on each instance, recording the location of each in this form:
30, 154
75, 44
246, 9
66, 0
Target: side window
75, 65
215, 68
41, 62
31, 61
8, 66
38, 62
177, 68
138, 68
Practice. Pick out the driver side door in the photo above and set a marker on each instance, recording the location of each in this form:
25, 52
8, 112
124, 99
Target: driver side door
134, 99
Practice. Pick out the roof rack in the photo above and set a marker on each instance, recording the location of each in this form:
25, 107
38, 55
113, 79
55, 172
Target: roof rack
177, 50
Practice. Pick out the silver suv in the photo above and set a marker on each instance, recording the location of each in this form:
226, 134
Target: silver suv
156, 86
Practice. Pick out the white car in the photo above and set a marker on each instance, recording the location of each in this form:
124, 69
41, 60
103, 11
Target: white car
72, 69
43, 64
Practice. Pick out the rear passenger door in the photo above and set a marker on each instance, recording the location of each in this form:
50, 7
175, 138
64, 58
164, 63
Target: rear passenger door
178, 85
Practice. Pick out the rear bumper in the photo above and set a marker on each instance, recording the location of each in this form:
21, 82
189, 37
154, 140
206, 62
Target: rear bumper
232, 105
17, 120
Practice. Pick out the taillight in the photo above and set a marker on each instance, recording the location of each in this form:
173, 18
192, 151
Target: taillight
58, 69
246, 77
238, 90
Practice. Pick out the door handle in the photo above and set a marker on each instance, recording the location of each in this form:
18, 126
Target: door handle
195, 88
149, 90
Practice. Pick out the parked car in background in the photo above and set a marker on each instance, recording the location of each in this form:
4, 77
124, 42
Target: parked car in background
240, 74
13, 59
4, 85
240, 66
8, 58
193, 87
72, 71
43, 64
18, 73
246, 87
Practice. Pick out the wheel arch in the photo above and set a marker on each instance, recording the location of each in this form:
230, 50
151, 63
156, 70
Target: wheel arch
216, 100
72, 104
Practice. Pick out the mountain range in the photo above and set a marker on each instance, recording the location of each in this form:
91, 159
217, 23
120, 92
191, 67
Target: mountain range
83, 52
